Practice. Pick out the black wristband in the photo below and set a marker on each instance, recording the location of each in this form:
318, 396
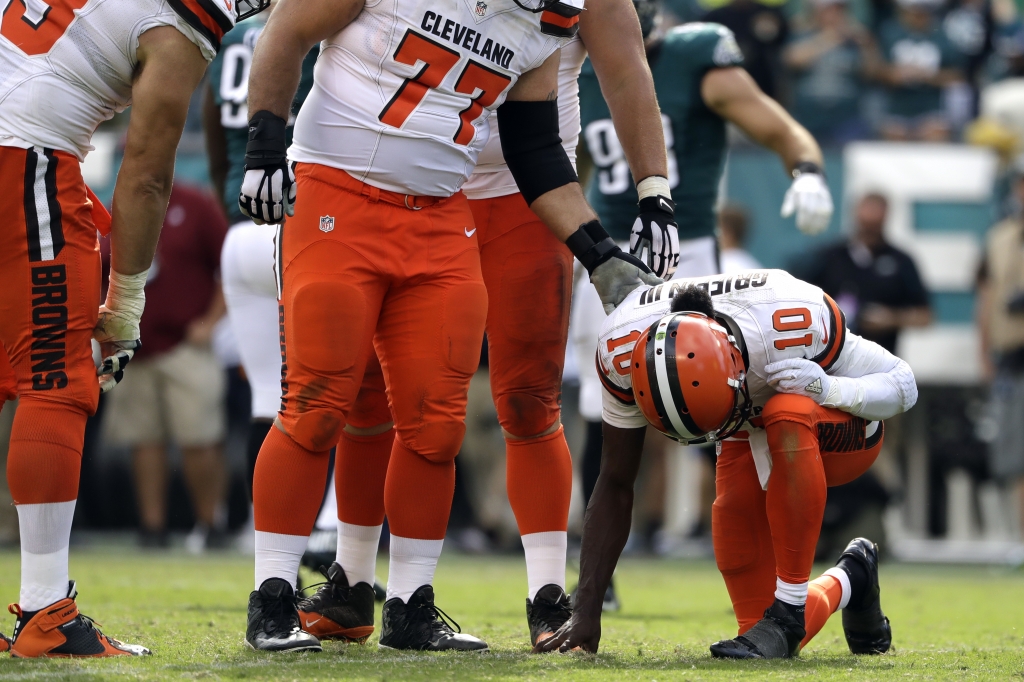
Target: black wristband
267, 144
805, 167
592, 245
657, 203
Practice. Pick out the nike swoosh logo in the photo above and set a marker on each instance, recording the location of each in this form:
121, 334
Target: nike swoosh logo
469, 232
824, 335
311, 623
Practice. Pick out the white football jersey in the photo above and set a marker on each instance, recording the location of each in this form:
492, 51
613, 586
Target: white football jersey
401, 95
777, 315
491, 177
67, 65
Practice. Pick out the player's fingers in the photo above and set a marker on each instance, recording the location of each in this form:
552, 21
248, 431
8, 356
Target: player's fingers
550, 643
788, 204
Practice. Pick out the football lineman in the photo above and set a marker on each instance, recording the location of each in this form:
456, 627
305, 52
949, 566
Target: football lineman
382, 253
65, 67
762, 365
527, 272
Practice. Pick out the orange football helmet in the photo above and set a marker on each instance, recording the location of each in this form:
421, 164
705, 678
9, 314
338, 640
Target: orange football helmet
689, 378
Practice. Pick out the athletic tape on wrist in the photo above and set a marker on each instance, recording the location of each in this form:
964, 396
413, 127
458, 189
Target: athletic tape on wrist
653, 186
127, 293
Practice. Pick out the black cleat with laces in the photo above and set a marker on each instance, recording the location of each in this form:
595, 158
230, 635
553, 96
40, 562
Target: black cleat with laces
547, 612
777, 635
418, 625
336, 610
866, 628
274, 620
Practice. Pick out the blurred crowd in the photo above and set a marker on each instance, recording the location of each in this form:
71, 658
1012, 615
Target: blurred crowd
166, 451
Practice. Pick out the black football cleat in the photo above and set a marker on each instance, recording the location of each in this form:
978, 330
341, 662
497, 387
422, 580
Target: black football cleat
274, 620
5, 643
548, 611
379, 593
336, 610
420, 626
321, 549
866, 628
777, 635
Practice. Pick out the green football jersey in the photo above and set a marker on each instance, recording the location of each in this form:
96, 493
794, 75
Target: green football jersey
694, 135
229, 77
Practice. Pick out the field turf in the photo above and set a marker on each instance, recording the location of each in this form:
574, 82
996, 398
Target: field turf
949, 623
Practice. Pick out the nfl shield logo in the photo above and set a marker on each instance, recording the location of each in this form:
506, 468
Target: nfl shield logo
326, 223
481, 8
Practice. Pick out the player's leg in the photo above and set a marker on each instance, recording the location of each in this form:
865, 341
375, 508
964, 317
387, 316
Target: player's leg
250, 292
343, 606
428, 340
50, 276
741, 535
849, 446
331, 298
528, 274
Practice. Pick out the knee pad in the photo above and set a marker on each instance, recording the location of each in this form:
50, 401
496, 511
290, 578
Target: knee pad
789, 407
436, 442
525, 415
316, 430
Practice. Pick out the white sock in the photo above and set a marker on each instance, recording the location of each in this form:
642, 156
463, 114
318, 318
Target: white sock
545, 560
844, 581
412, 565
278, 556
357, 551
795, 595
45, 536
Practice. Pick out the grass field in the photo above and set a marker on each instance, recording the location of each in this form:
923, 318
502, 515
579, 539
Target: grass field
948, 623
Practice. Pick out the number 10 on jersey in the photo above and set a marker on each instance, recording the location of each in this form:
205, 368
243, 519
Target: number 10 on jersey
483, 85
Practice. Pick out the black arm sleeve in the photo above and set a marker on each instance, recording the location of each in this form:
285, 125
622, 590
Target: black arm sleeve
532, 148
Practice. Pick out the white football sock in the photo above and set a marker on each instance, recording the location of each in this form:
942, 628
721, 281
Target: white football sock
357, 551
45, 536
545, 560
844, 581
794, 595
412, 565
278, 556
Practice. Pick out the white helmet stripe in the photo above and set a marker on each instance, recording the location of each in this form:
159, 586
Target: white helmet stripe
660, 355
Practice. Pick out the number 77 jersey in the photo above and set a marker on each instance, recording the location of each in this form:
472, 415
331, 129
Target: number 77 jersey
401, 95
775, 315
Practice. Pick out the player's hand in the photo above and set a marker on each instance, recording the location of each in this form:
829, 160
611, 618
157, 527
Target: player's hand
655, 236
800, 377
618, 276
809, 198
268, 188
579, 632
117, 328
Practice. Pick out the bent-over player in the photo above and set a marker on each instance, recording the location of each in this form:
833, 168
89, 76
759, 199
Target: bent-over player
762, 364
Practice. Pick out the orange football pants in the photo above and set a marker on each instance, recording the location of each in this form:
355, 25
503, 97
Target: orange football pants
759, 535
528, 274
367, 269
50, 278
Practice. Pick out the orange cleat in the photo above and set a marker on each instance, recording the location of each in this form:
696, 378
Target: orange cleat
5, 644
60, 631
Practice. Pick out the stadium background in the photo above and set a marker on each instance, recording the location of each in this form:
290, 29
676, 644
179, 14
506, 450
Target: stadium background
943, 505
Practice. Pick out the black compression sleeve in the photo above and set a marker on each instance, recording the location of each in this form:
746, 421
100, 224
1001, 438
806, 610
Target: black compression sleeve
532, 148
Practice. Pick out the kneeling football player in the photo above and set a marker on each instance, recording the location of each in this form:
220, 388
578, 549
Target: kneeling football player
762, 364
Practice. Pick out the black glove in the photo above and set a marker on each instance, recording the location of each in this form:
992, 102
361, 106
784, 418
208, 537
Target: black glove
656, 234
268, 188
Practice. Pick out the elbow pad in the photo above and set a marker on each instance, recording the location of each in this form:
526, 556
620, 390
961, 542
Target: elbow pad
532, 147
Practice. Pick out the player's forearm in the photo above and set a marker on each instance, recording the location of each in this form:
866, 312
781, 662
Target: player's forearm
276, 68
875, 396
563, 210
793, 144
609, 515
140, 201
611, 33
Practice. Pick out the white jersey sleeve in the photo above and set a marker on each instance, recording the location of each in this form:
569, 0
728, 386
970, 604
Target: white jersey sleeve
401, 96
67, 65
491, 177
871, 382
